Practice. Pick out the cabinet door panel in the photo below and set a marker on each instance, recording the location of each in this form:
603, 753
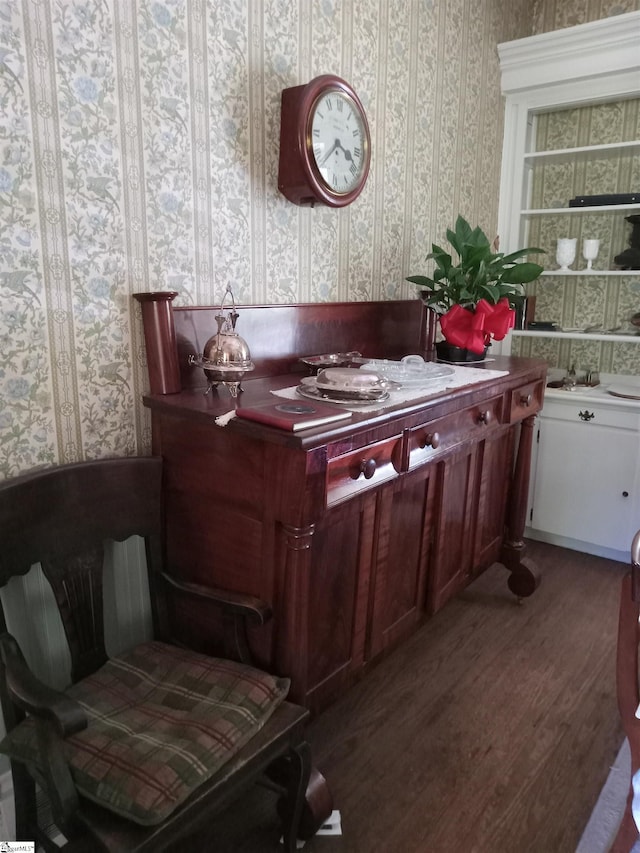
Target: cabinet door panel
494, 461
583, 471
336, 604
455, 527
401, 562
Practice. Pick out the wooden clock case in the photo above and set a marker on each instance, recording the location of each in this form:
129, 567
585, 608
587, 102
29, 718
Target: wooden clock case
299, 179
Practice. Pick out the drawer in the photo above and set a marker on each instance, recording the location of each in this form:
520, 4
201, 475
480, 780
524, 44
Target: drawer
362, 469
586, 412
436, 437
526, 400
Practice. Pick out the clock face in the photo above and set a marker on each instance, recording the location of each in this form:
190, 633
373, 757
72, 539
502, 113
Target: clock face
339, 141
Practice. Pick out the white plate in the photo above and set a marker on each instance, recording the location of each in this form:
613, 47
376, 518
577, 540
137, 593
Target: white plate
629, 392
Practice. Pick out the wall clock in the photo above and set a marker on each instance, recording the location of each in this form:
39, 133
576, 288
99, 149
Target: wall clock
325, 146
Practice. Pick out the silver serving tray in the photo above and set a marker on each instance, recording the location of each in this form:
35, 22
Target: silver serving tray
310, 390
331, 359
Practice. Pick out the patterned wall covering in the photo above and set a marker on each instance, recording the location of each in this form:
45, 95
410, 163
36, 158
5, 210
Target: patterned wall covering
606, 302
138, 151
557, 14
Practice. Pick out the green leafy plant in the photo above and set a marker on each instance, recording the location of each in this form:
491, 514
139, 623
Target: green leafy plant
481, 271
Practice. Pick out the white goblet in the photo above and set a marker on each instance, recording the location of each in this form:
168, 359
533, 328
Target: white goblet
566, 251
590, 251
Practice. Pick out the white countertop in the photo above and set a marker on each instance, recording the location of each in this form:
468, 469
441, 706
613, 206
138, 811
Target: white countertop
601, 393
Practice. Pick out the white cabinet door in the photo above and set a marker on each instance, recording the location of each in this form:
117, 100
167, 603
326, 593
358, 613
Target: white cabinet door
587, 483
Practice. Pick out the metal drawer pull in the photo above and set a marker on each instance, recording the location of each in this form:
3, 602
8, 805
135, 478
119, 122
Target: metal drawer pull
484, 417
525, 400
586, 415
367, 467
430, 440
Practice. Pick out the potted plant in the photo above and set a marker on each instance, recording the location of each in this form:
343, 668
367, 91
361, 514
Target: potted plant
476, 297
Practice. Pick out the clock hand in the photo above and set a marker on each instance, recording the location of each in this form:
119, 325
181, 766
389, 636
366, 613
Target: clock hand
347, 154
335, 145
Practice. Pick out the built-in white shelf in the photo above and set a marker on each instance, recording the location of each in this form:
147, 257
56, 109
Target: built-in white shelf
586, 152
600, 208
589, 273
578, 336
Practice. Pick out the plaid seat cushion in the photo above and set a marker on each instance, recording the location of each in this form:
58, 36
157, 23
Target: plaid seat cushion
162, 720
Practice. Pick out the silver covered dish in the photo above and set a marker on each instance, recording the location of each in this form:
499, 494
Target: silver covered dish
350, 380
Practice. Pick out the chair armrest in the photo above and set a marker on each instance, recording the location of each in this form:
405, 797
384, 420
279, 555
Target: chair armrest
232, 602
36, 698
237, 610
55, 716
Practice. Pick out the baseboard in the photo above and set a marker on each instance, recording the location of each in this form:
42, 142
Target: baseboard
575, 545
603, 824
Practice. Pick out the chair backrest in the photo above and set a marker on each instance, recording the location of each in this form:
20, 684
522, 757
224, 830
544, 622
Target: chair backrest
61, 517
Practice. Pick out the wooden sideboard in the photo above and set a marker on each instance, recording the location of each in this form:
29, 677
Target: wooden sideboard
355, 532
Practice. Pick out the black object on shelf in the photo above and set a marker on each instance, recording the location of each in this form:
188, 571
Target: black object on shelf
525, 312
542, 326
607, 198
629, 259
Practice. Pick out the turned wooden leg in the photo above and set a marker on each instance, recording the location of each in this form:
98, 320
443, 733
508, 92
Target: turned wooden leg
524, 577
292, 810
24, 798
317, 802
317, 806
293, 648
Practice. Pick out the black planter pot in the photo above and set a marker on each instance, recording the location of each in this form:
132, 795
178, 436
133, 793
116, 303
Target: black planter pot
448, 352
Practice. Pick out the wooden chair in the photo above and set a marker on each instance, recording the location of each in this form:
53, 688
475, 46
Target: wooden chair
142, 749
628, 686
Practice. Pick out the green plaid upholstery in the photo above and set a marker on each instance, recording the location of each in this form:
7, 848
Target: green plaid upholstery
162, 720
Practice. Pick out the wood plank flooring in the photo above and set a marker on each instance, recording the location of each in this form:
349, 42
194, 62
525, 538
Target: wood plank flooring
492, 730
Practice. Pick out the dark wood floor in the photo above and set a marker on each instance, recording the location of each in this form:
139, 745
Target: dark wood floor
492, 730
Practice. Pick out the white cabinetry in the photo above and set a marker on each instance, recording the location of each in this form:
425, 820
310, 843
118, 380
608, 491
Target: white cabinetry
585, 478
586, 490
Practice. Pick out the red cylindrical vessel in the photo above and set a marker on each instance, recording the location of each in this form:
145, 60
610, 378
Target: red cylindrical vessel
160, 341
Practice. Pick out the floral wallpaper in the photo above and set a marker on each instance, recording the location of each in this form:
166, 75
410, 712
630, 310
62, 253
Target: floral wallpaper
557, 14
138, 151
